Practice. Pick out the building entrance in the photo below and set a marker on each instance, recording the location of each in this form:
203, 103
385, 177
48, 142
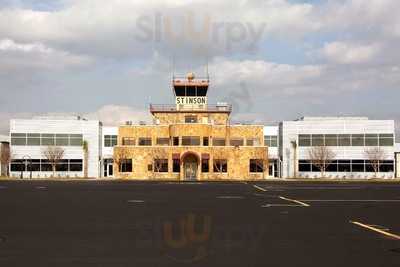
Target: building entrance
190, 167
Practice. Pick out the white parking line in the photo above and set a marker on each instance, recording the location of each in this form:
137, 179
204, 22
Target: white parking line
280, 205
260, 188
295, 201
41, 187
376, 230
230, 197
351, 200
135, 201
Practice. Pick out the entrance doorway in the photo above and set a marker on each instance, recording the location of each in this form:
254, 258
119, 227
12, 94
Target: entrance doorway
108, 168
190, 167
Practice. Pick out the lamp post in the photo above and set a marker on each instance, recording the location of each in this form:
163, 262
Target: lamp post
26, 158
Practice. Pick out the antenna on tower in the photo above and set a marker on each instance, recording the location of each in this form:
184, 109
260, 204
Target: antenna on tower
173, 67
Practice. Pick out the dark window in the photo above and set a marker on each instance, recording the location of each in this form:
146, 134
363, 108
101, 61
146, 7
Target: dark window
386, 166
236, 142
220, 165
34, 166
202, 90
161, 165
332, 166
357, 140
317, 140
128, 141
62, 140
18, 139
176, 141
110, 140
205, 141
386, 140
33, 139
252, 142
190, 91
162, 141
180, 90
205, 165
271, 140
45, 166
344, 140
145, 141
256, 165
305, 140
75, 165
304, 166
176, 165
75, 139
62, 165
17, 165
125, 165
150, 167
48, 140
371, 140
344, 166
190, 119
218, 141
331, 140
190, 140
357, 165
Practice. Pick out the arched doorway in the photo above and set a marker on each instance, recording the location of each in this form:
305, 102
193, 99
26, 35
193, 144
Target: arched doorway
190, 166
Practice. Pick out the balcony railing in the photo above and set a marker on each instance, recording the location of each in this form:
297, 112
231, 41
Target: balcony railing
191, 108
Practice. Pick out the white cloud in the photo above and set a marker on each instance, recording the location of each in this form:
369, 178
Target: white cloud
350, 53
36, 57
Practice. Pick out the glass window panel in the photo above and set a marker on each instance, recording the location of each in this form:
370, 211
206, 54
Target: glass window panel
218, 142
304, 166
386, 166
62, 140
18, 135
145, 141
236, 142
331, 140
176, 165
344, 166
205, 141
75, 141
163, 141
344, 140
205, 165
317, 140
386, 140
48, 140
18, 141
190, 140
371, 140
128, 141
220, 165
256, 165
305, 140
357, 140
332, 167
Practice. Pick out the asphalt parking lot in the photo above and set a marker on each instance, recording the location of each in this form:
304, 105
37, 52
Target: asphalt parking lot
110, 223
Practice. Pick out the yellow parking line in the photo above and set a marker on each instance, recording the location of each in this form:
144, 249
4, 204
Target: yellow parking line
376, 230
295, 201
260, 188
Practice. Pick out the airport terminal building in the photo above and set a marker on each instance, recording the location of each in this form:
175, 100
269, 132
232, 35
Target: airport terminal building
192, 140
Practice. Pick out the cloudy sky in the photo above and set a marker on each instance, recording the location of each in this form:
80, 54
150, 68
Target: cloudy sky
273, 59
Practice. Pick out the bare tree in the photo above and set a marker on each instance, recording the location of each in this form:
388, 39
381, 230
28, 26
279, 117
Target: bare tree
158, 154
5, 157
120, 156
321, 157
53, 154
218, 155
374, 156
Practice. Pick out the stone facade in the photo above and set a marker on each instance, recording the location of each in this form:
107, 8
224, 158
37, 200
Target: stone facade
191, 143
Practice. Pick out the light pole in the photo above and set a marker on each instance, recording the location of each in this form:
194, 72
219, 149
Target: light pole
26, 158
